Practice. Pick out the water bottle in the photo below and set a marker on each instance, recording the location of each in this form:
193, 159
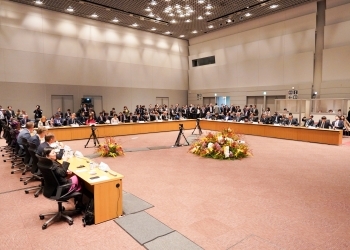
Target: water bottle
91, 166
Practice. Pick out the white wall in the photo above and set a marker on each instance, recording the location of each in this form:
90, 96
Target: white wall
336, 53
42, 47
272, 57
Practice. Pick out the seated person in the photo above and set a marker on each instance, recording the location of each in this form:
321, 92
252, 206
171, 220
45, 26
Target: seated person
291, 121
24, 120
146, 116
276, 118
90, 120
57, 121
164, 116
308, 122
61, 173
253, 118
228, 117
338, 123
49, 139
73, 120
208, 116
43, 122
133, 117
25, 133
264, 119
240, 116
115, 119
215, 117
101, 119
39, 137
121, 117
324, 123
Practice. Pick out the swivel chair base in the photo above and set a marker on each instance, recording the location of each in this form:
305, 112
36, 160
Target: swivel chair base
58, 215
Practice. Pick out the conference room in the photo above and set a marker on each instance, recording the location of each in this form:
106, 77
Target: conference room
288, 57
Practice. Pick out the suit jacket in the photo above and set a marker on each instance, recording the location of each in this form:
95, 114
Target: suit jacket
73, 121
24, 121
308, 122
35, 139
292, 122
327, 124
60, 173
276, 119
42, 146
264, 120
23, 134
340, 124
101, 120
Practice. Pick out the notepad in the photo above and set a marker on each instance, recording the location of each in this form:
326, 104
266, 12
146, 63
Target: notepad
80, 170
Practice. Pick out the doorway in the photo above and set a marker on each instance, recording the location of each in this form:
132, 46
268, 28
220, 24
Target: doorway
162, 100
62, 101
96, 101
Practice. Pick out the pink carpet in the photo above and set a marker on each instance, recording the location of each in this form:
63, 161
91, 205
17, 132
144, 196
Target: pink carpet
288, 195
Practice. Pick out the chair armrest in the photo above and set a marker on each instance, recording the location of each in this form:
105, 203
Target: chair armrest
60, 189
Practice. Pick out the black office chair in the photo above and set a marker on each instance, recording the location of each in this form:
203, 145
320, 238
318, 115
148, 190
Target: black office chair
26, 160
51, 183
36, 174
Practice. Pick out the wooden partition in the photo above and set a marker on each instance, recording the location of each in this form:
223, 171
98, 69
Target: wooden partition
104, 130
325, 136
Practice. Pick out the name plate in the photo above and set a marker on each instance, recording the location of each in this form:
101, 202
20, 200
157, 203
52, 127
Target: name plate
276, 124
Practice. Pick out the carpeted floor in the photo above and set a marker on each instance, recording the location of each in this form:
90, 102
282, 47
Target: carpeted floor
288, 195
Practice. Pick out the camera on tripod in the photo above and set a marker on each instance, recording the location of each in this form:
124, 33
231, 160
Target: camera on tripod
181, 126
93, 127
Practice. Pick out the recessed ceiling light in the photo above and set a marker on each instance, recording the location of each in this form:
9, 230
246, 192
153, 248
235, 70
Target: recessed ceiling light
94, 15
201, 1
177, 6
166, 10
70, 9
195, 31
274, 6
182, 36
171, 14
38, 2
247, 14
181, 15
148, 9
167, 33
153, 2
151, 14
188, 21
211, 26
173, 21
229, 20
134, 25
153, 29
209, 7
200, 18
207, 13
158, 18
115, 20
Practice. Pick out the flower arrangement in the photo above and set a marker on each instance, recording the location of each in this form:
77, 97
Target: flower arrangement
224, 145
110, 148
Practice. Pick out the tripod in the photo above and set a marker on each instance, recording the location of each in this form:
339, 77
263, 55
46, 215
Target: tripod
93, 135
198, 126
177, 143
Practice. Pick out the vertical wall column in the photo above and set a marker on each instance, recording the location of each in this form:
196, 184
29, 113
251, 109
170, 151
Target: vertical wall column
319, 45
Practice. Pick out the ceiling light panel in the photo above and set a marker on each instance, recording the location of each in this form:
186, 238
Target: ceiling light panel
159, 14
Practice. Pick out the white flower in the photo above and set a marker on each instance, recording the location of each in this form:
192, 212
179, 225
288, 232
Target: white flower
219, 138
210, 145
229, 139
227, 151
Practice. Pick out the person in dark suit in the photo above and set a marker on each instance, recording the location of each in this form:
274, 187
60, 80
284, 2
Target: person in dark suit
338, 123
324, 123
291, 121
308, 122
264, 119
49, 139
61, 171
276, 118
74, 120
101, 119
39, 136
24, 120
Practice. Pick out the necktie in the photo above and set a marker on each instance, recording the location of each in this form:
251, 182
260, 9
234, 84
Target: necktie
322, 125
